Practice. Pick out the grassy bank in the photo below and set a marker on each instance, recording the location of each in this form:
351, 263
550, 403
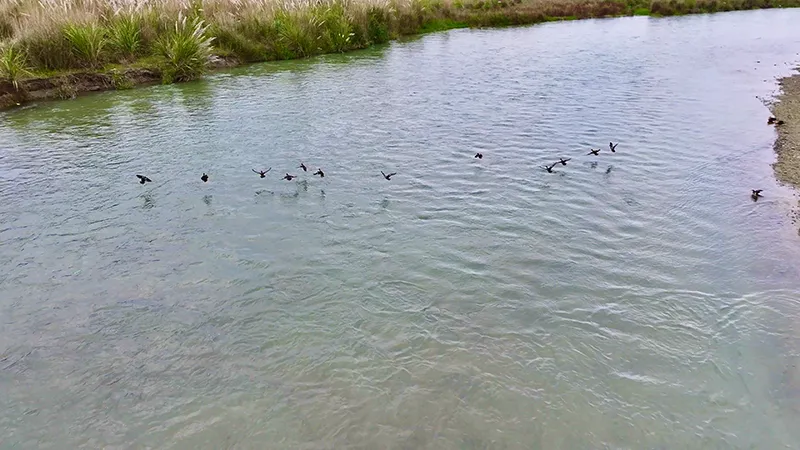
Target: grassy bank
179, 39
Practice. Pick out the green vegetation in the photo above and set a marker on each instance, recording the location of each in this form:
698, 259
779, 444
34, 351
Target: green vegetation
185, 50
13, 64
124, 36
87, 41
179, 38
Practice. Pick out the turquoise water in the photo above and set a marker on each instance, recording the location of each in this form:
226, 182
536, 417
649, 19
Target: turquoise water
631, 300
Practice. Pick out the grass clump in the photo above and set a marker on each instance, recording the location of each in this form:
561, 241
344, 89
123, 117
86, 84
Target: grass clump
87, 41
124, 35
13, 64
186, 50
336, 29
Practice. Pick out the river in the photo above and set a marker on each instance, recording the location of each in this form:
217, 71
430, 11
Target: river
636, 299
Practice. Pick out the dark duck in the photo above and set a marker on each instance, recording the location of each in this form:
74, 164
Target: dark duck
388, 177
551, 166
262, 173
320, 173
204, 177
143, 179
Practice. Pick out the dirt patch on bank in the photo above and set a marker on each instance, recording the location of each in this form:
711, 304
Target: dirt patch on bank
787, 109
69, 86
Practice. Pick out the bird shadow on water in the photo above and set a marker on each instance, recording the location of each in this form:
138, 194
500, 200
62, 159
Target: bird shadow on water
148, 201
207, 199
385, 203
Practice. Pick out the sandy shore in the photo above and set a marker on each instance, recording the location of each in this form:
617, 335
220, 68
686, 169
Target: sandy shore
787, 108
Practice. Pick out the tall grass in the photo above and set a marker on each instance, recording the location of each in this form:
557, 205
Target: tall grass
58, 35
13, 64
88, 42
186, 50
124, 35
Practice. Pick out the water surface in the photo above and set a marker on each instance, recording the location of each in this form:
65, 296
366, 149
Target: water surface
632, 300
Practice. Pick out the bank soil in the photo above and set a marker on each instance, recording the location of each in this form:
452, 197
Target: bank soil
787, 146
69, 86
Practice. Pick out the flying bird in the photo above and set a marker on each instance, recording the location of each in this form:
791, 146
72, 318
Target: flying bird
479, 155
564, 161
289, 177
388, 177
143, 179
550, 167
756, 194
613, 146
594, 152
204, 177
320, 173
303, 166
263, 173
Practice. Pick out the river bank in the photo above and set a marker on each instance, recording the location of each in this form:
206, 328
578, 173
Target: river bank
787, 146
60, 49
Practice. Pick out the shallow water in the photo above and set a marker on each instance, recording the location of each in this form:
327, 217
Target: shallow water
631, 300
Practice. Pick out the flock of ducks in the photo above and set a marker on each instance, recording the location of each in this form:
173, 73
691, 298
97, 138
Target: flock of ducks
388, 176
755, 195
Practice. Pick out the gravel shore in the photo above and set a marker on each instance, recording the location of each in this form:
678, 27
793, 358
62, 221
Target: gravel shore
787, 108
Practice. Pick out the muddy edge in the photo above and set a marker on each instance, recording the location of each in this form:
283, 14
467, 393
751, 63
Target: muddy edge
787, 146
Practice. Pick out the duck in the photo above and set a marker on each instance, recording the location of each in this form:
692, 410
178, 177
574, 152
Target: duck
613, 146
479, 155
388, 177
550, 167
303, 166
756, 194
564, 161
320, 173
771, 120
289, 177
204, 177
263, 173
594, 152
143, 179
